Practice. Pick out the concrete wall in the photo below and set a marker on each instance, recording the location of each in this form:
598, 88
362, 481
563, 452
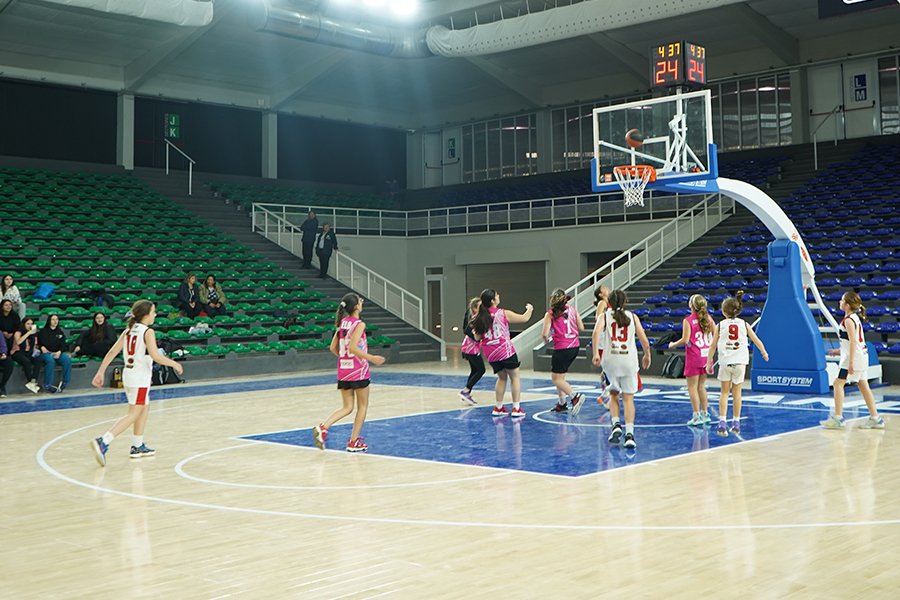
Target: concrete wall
403, 261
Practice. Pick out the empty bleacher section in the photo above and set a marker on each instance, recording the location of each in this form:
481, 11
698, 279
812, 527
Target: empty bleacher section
91, 234
245, 194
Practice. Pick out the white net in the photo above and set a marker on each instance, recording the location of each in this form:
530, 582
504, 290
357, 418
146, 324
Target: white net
633, 180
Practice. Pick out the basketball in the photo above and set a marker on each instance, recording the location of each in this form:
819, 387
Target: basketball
634, 138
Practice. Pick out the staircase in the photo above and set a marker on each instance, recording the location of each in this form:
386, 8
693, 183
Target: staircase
414, 345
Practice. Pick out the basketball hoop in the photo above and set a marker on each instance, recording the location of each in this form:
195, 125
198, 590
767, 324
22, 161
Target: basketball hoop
633, 180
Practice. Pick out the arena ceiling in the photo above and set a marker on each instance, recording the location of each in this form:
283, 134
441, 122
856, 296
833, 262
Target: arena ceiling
228, 62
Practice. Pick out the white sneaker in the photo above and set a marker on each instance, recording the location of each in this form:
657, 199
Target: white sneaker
33, 387
873, 423
696, 421
833, 422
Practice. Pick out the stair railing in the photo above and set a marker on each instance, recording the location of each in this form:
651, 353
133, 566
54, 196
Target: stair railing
355, 275
635, 262
191, 163
832, 113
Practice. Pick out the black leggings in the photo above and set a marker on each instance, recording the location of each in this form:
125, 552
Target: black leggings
28, 362
476, 364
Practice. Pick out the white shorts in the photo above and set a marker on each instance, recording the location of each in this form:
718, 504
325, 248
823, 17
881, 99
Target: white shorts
627, 384
137, 396
855, 377
732, 373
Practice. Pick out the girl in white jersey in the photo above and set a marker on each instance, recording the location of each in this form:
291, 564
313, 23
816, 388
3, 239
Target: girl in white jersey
138, 347
854, 362
562, 323
601, 293
491, 327
620, 362
730, 339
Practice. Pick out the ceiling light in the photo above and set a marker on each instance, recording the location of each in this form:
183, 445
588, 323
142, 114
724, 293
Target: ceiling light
404, 7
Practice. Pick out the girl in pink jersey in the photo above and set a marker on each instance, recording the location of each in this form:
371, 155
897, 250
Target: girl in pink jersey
562, 323
697, 334
471, 351
491, 326
138, 347
349, 345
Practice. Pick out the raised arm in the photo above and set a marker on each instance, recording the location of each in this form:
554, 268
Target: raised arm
517, 318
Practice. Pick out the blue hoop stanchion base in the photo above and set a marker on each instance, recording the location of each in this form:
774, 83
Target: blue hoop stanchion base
789, 331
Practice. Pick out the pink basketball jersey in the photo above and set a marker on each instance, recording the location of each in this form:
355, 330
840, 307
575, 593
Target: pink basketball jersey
698, 344
351, 368
470, 346
496, 343
564, 329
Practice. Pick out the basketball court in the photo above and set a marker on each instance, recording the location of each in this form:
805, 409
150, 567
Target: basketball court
448, 502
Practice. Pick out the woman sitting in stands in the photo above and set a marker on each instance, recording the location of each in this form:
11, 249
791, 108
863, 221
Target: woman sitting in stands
97, 339
189, 297
212, 297
9, 321
52, 342
9, 291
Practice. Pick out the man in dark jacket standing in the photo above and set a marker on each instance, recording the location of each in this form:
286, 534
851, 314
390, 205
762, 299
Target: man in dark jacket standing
310, 228
326, 243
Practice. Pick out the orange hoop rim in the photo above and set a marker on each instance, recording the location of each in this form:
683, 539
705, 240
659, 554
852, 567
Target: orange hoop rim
636, 171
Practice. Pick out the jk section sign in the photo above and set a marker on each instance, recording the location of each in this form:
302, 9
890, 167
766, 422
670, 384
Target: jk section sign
172, 126
837, 8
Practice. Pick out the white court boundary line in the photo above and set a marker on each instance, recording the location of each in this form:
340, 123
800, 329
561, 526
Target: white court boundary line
179, 468
520, 526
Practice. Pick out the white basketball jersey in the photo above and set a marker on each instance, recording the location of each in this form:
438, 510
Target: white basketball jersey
138, 365
732, 345
620, 357
861, 353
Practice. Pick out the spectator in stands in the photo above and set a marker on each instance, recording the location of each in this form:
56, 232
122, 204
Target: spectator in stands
310, 228
189, 297
393, 190
10, 292
97, 339
326, 243
9, 321
6, 365
52, 342
24, 350
212, 297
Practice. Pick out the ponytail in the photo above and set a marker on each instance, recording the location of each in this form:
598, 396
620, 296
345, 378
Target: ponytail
853, 300
473, 307
139, 310
348, 304
617, 300
558, 301
698, 305
732, 307
483, 321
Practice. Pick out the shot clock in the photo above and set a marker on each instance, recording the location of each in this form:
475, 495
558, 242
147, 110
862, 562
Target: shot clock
678, 63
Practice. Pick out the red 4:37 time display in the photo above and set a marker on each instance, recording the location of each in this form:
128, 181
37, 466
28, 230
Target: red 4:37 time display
678, 63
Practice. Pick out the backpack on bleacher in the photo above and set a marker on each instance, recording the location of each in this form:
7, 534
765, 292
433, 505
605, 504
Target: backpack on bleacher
664, 339
163, 375
673, 368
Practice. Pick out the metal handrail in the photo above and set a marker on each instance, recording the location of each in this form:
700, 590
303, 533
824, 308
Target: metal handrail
381, 290
635, 262
191, 163
560, 211
837, 109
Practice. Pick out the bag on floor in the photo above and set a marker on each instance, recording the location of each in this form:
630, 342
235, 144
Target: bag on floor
673, 368
164, 375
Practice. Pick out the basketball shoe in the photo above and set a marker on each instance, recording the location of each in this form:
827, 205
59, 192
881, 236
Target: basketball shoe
736, 427
616, 434
357, 445
577, 402
629, 441
320, 432
142, 451
722, 429
873, 423
467, 397
833, 422
559, 407
517, 413
99, 451
500, 411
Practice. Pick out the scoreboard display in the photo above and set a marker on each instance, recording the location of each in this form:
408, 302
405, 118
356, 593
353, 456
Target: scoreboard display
678, 63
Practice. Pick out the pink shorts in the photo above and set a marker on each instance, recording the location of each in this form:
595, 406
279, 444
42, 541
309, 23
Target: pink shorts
694, 371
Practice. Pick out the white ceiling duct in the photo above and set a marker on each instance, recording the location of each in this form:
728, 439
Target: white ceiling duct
560, 23
188, 13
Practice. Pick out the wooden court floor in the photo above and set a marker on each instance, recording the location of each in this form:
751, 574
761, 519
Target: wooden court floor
811, 514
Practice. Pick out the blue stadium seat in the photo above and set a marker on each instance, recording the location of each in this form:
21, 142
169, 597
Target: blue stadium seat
735, 239
681, 311
641, 311
657, 299
881, 255
890, 267
752, 311
867, 268
752, 272
853, 282
878, 281
848, 245
869, 244
822, 269
889, 296
829, 282
758, 284
703, 262
833, 297
761, 249
889, 327
740, 250
690, 274
675, 285
833, 257
746, 260
678, 299
710, 273
714, 284
694, 286
662, 311
837, 233
858, 255
725, 261
731, 272
867, 295
879, 347
841, 269
736, 285
822, 247
878, 311
720, 298
720, 251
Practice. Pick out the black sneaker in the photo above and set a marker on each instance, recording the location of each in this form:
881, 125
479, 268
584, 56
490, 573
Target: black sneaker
559, 408
49, 388
616, 434
629, 441
142, 451
2, 392
61, 386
